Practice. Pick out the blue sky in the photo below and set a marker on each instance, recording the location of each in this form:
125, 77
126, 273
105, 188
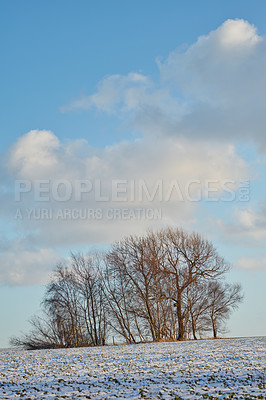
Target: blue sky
150, 91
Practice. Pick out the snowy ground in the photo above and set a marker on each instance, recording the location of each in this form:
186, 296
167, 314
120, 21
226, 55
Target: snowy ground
207, 369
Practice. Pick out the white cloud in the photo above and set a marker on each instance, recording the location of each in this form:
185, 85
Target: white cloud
215, 89
248, 226
252, 263
114, 92
34, 154
237, 33
22, 265
191, 165
205, 69
222, 78
208, 98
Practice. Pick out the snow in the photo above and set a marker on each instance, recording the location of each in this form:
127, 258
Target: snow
204, 369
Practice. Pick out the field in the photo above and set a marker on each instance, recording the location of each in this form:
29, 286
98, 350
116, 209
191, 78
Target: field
205, 369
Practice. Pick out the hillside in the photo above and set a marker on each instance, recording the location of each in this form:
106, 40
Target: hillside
206, 369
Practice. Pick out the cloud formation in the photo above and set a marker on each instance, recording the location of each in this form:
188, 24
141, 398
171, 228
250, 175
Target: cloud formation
185, 173
209, 97
20, 264
113, 93
33, 155
215, 89
222, 75
169, 175
252, 263
248, 226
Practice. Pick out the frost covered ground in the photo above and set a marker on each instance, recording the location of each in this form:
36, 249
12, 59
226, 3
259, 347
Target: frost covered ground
207, 369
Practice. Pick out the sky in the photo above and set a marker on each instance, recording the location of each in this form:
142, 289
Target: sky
119, 117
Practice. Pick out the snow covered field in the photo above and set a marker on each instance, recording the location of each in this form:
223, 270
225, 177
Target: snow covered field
207, 369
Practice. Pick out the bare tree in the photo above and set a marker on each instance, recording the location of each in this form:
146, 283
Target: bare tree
188, 258
87, 279
73, 308
119, 296
163, 266
62, 299
137, 259
161, 286
46, 333
197, 304
222, 299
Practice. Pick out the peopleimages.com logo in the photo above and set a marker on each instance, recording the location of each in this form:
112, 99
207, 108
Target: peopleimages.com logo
131, 191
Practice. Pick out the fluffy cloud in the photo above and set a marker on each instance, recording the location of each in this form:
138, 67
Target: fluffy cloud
252, 263
33, 155
237, 34
215, 89
169, 175
113, 93
247, 227
208, 98
22, 265
222, 76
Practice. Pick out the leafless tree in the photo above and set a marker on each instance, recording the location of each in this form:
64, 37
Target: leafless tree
223, 298
137, 260
165, 285
87, 279
119, 294
187, 259
197, 305
46, 333
73, 308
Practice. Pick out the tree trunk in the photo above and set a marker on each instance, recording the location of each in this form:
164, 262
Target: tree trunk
214, 329
180, 319
193, 328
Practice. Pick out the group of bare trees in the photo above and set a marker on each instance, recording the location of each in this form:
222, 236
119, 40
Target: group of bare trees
74, 312
166, 285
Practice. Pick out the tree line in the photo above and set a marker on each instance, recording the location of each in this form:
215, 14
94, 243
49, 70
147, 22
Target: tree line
165, 285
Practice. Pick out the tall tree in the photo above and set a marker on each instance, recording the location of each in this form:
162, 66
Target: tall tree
164, 285
223, 298
188, 258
